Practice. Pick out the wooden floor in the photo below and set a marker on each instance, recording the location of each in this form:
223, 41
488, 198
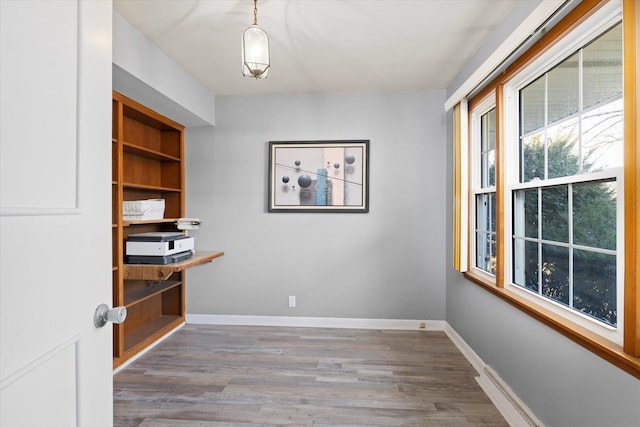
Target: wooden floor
259, 376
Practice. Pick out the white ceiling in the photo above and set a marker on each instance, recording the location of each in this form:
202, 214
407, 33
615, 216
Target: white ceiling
321, 45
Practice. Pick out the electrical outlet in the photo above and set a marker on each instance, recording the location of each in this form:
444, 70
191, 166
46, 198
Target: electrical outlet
423, 325
292, 301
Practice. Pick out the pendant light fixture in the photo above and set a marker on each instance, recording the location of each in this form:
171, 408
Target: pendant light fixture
255, 49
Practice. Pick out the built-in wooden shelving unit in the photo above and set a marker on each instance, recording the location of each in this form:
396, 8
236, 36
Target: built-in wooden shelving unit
148, 163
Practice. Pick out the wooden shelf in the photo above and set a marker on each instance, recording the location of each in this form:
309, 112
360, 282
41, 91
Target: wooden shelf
162, 272
150, 221
147, 152
150, 332
148, 290
142, 114
133, 186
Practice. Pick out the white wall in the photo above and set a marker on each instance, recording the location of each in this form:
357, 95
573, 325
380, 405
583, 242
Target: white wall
388, 263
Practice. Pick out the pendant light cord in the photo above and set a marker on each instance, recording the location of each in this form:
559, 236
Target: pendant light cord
255, 12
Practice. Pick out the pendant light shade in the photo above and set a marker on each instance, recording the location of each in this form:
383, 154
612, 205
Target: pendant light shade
255, 52
255, 49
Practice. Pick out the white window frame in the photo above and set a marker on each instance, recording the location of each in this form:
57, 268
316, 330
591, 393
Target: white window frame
603, 19
483, 107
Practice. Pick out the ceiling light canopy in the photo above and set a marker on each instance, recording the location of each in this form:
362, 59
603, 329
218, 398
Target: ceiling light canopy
255, 49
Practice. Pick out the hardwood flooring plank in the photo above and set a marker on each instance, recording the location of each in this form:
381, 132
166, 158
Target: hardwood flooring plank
210, 376
158, 422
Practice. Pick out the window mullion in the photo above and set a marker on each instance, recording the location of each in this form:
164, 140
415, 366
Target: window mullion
580, 107
570, 227
539, 240
546, 126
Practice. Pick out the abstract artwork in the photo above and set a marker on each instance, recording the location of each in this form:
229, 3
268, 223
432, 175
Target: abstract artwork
319, 176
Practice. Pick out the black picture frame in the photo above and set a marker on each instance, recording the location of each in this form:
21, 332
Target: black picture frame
319, 176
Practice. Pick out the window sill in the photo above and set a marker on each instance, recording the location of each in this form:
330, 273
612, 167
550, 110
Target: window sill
602, 347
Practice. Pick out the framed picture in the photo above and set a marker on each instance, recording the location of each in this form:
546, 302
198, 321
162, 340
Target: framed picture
319, 176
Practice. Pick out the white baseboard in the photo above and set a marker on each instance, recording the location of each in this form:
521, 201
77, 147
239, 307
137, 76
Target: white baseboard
315, 322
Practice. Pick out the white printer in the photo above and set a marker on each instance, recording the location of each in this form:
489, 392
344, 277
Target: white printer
158, 247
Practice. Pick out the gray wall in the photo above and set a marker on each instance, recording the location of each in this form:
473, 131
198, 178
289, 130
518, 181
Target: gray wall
388, 263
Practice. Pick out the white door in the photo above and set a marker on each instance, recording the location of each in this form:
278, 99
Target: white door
55, 206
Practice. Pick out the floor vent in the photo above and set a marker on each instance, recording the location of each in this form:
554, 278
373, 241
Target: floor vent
512, 408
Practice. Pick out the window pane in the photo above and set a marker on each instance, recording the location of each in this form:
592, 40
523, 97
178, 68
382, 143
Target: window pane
484, 166
488, 145
602, 137
485, 252
482, 212
488, 125
533, 157
486, 212
526, 264
562, 149
532, 106
602, 72
555, 218
489, 169
594, 285
492, 168
555, 273
492, 211
491, 129
594, 214
492, 258
563, 85
531, 212
482, 250
525, 214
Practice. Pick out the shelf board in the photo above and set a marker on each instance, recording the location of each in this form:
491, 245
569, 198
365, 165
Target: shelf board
142, 114
150, 221
132, 186
147, 152
132, 298
162, 272
150, 332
